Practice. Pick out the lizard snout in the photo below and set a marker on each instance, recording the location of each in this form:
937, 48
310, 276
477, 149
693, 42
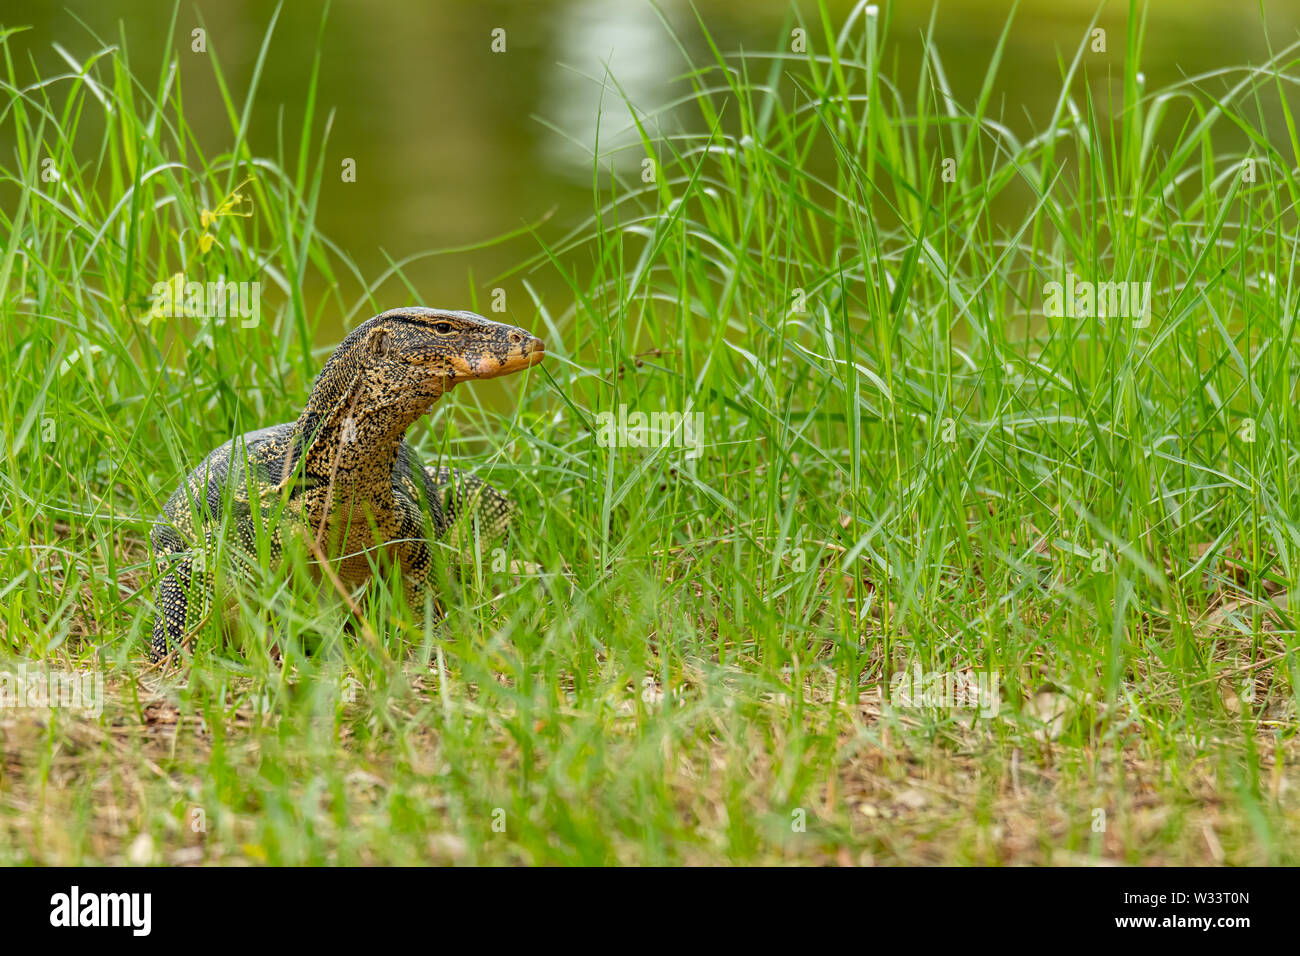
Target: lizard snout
526, 353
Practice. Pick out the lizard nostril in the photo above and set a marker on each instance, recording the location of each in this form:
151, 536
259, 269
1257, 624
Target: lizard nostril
515, 338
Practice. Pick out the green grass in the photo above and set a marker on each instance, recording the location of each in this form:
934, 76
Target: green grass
684, 660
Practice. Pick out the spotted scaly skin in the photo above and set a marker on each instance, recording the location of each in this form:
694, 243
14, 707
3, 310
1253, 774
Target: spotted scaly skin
343, 473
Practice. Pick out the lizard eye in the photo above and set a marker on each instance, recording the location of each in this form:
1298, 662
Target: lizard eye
443, 328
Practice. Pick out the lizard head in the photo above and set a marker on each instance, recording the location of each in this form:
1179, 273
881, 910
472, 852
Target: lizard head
409, 346
414, 355
391, 368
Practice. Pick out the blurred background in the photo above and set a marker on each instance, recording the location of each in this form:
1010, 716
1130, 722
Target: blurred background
455, 145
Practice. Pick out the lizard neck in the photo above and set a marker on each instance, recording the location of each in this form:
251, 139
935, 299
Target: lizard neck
347, 440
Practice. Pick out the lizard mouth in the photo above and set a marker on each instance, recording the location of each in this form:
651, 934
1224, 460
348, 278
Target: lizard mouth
489, 366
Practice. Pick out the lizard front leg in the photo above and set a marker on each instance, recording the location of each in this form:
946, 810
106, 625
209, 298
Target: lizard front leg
411, 548
187, 578
190, 578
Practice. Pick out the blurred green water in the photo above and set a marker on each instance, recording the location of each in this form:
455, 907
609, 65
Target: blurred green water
455, 143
